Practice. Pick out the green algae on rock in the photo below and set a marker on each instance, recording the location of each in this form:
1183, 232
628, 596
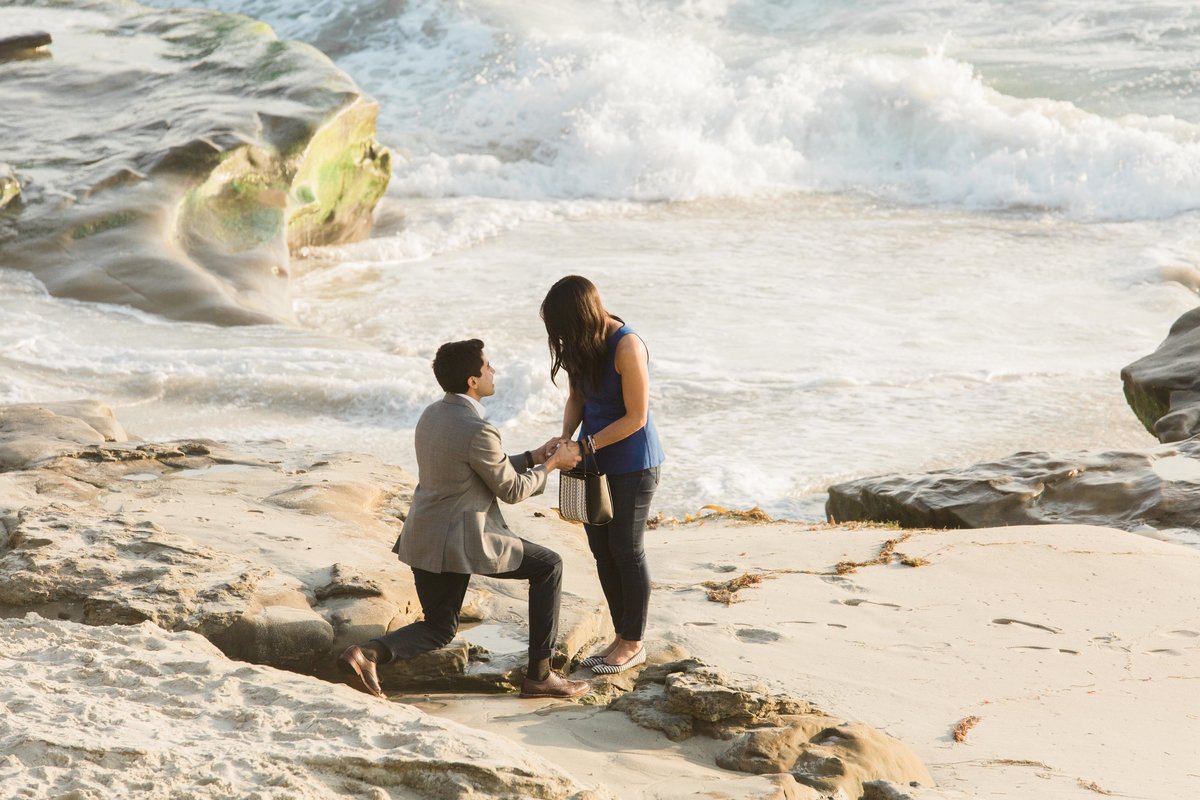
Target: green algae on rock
10, 187
177, 155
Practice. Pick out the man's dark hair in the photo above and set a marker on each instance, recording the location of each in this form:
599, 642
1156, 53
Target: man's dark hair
457, 361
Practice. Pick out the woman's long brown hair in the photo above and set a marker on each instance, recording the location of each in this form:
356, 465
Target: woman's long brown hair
575, 324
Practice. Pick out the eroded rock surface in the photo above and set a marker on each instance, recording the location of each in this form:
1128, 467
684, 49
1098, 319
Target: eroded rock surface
278, 557
176, 155
134, 711
1157, 487
771, 733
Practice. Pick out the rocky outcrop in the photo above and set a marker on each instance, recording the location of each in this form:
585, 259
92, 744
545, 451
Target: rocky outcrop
135, 711
280, 560
1156, 487
770, 733
174, 172
10, 186
25, 45
32, 433
1163, 388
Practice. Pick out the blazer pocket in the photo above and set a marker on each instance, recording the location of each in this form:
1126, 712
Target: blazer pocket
477, 542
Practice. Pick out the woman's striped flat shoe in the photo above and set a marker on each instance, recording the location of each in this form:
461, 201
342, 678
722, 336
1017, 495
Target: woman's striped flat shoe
637, 659
591, 661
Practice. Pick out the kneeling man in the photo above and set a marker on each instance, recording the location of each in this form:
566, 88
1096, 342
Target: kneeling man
454, 528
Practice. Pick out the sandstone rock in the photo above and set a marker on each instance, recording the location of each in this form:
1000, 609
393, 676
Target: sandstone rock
109, 532
826, 754
359, 619
289, 638
33, 433
113, 570
134, 711
346, 581
885, 790
1163, 388
706, 694
687, 697
243, 145
341, 497
1122, 489
772, 734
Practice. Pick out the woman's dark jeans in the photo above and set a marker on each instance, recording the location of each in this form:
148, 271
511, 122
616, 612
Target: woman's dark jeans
620, 554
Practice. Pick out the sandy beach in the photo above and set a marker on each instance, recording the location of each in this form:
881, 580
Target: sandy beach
918, 288
1073, 649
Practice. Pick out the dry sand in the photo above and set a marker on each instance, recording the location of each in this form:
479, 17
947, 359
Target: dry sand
1077, 647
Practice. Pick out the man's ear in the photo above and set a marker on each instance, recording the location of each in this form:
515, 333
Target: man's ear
472, 381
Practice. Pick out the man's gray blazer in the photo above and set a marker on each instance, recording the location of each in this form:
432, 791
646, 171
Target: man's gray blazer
454, 524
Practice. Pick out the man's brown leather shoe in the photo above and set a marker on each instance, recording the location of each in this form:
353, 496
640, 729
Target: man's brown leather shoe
555, 685
361, 671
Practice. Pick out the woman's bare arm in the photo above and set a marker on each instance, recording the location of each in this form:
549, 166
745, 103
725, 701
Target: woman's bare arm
572, 413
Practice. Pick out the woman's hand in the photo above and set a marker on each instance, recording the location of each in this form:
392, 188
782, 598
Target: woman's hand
543, 453
565, 456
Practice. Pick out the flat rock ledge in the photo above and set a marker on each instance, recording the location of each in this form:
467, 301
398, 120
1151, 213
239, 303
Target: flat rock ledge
816, 756
136, 711
207, 150
279, 558
1156, 488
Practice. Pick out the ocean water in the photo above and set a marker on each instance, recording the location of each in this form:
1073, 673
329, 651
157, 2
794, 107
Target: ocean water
857, 238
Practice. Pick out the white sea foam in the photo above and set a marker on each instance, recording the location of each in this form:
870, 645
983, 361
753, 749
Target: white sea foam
647, 101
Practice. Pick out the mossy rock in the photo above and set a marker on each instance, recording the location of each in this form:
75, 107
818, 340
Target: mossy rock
242, 148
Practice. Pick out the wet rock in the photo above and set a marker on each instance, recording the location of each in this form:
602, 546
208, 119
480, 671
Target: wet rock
23, 46
771, 733
243, 146
10, 186
1155, 487
1163, 388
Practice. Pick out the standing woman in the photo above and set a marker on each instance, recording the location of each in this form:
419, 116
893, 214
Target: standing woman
606, 365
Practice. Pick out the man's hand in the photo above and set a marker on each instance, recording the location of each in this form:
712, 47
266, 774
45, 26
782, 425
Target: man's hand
544, 452
565, 456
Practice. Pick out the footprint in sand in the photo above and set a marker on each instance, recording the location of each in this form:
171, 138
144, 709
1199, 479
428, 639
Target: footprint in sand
1164, 651
757, 635
1005, 621
859, 602
1184, 634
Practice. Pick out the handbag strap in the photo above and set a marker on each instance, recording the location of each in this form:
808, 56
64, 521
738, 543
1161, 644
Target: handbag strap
595, 463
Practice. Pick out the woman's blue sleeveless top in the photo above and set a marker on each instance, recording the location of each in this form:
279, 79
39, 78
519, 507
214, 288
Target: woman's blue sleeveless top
638, 451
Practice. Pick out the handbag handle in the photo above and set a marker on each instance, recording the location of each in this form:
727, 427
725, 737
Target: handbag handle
592, 455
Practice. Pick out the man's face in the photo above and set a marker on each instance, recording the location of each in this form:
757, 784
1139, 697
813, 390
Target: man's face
485, 384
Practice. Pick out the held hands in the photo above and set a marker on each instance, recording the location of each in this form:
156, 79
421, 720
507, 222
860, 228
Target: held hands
564, 456
543, 453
